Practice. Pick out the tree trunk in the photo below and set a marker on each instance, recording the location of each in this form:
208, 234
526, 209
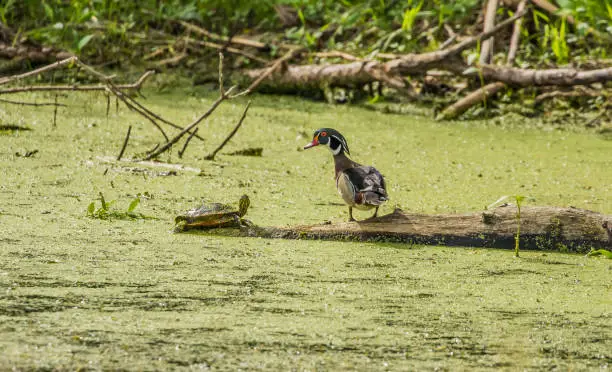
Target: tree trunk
542, 228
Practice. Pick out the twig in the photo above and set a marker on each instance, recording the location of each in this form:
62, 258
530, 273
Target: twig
175, 139
577, 92
232, 133
31, 103
486, 49
180, 153
234, 40
516, 34
172, 61
107, 104
55, 113
269, 71
126, 100
220, 47
591, 123
40, 88
221, 89
448, 42
49, 67
482, 94
125, 143
337, 54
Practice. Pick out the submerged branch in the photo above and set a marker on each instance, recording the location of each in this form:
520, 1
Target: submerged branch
212, 155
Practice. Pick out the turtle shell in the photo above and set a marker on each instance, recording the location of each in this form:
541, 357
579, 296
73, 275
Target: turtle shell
209, 215
212, 215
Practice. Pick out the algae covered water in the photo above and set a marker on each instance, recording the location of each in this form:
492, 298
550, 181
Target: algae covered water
83, 293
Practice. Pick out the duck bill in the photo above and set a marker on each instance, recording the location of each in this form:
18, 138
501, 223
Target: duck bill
312, 144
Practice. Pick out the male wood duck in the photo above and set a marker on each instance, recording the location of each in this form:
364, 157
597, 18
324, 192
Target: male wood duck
361, 186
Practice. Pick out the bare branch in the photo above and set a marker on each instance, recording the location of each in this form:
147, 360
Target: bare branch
486, 48
270, 70
232, 133
180, 153
470, 100
191, 126
44, 88
516, 34
37, 71
125, 143
32, 103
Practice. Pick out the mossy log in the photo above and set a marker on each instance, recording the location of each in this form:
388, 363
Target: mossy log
542, 228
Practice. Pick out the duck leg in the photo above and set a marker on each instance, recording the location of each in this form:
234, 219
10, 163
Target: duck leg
375, 212
351, 219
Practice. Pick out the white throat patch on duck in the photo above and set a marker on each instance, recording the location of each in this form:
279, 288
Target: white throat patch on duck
337, 145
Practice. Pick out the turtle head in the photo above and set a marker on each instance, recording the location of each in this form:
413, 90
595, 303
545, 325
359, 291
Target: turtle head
331, 138
243, 205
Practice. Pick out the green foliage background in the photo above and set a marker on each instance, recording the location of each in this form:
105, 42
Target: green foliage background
106, 27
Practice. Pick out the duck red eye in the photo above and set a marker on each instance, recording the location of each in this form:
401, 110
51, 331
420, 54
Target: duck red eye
323, 134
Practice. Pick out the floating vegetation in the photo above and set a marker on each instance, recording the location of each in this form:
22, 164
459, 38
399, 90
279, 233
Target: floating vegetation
104, 212
251, 151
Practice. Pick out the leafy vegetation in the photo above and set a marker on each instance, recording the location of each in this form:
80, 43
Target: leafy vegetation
600, 252
110, 27
104, 212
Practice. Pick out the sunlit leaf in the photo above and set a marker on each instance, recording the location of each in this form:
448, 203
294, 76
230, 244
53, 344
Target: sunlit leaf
133, 204
91, 208
84, 40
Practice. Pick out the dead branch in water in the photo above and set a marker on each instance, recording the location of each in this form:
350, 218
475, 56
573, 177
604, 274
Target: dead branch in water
107, 86
474, 98
31, 103
542, 228
182, 151
137, 85
125, 143
211, 156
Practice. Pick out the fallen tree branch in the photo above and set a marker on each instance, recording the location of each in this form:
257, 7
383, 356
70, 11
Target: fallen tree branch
40, 70
125, 143
182, 151
223, 48
578, 91
22, 55
363, 72
108, 86
486, 48
137, 85
264, 47
530, 77
470, 100
542, 228
268, 72
337, 54
212, 155
516, 34
175, 139
32, 103
489, 90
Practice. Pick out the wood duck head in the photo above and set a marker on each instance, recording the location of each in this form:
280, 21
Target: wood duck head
332, 139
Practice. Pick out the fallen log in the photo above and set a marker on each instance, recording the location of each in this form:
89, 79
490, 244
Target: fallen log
530, 77
542, 228
359, 73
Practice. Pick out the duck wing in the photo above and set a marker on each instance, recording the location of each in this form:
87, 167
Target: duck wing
368, 183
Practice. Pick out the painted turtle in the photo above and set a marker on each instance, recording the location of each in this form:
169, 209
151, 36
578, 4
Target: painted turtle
214, 215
